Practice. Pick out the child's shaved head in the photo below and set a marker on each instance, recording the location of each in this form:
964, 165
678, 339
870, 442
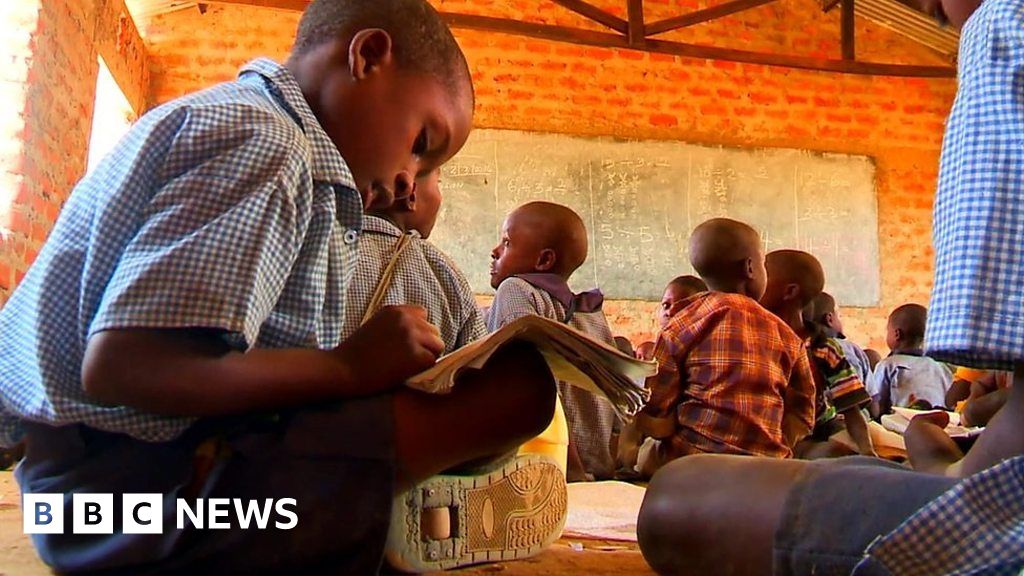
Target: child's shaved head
819, 307
422, 41
907, 323
689, 285
795, 278
539, 237
726, 253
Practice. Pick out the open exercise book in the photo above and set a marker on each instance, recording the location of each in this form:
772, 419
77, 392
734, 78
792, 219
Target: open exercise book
572, 356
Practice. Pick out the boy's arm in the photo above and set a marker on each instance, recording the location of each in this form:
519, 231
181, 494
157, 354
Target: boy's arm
196, 373
857, 427
798, 402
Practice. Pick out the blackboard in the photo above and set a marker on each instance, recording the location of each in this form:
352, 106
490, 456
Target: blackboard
641, 199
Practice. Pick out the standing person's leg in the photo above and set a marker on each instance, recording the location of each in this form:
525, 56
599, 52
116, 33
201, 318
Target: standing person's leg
717, 514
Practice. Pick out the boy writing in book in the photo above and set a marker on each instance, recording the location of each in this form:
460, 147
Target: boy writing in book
908, 523
907, 378
733, 378
397, 265
205, 264
542, 244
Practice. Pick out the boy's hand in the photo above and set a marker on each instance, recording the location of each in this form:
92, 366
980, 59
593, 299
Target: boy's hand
396, 343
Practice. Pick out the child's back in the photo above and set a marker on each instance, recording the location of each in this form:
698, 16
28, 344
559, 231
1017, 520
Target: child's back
733, 378
733, 361
908, 378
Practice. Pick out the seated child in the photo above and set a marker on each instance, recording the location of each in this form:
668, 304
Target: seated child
733, 378
825, 314
541, 245
840, 391
874, 357
799, 517
908, 378
397, 265
679, 289
179, 332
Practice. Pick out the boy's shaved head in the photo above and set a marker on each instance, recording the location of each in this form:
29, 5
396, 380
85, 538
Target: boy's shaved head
720, 250
559, 228
910, 319
795, 279
539, 237
821, 305
797, 267
689, 284
422, 41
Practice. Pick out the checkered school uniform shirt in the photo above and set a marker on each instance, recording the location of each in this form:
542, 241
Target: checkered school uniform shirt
423, 275
977, 527
591, 419
976, 317
228, 209
728, 372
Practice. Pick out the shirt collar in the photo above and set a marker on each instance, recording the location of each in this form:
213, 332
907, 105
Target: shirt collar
384, 226
328, 165
908, 352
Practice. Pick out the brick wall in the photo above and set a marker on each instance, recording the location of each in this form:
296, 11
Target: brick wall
48, 94
546, 86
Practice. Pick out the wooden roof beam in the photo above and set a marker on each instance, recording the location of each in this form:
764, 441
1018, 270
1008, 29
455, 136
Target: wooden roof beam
606, 40
596, 14
704, 15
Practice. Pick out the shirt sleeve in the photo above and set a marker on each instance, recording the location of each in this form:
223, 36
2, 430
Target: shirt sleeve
218, 239
513, 300
799, 396
843, 386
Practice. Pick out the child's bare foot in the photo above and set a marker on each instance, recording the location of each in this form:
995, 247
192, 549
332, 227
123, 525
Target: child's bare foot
929, 447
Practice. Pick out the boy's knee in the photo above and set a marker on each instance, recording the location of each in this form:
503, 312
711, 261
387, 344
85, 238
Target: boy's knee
527, 385
670, 518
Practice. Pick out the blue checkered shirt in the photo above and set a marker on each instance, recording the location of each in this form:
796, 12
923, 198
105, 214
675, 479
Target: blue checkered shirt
976, 317
977, 527
228, 209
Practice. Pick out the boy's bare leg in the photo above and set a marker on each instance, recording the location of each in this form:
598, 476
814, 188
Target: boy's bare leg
488, 413
820, 449
715, 514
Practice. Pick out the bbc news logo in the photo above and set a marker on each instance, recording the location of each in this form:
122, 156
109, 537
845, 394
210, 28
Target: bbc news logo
144, 514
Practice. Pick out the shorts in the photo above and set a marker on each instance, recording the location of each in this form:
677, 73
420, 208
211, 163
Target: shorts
836, 508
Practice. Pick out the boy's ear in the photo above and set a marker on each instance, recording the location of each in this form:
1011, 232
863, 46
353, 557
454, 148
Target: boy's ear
748, 269
369, 50
898, 333
546, 260
829, 318
791, 292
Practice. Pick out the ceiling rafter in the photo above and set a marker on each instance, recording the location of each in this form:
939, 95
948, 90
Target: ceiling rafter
636, 34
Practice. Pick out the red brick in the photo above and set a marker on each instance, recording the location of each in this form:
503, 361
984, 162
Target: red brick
664, 120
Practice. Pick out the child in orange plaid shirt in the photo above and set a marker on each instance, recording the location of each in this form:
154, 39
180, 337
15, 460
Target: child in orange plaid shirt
730, 371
